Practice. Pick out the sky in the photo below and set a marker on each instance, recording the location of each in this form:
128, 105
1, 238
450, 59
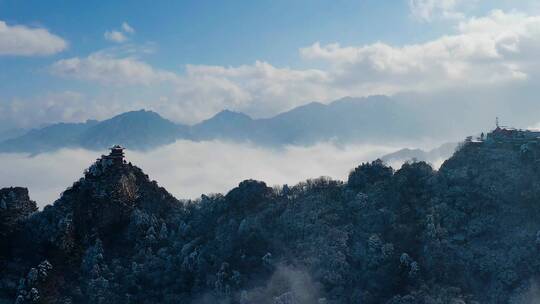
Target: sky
76, 60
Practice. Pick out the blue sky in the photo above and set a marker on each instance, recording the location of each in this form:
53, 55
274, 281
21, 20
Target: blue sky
190, 59
224, 32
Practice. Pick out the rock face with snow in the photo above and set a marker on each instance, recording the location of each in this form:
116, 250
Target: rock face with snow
468, 233
15, 206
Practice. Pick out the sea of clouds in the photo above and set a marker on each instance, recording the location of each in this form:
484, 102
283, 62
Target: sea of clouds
188, 169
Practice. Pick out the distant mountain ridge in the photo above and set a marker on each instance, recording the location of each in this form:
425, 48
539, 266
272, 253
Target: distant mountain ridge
432, 156
138, 130
374, 119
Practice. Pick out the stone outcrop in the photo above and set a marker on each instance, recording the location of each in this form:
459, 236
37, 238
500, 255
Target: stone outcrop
15, 205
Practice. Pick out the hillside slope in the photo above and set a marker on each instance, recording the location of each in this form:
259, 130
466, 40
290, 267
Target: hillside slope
468, 233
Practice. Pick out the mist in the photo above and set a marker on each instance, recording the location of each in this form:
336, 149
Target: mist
188, 169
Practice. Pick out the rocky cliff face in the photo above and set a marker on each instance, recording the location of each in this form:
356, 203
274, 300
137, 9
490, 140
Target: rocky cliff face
15, 206
468, 233
104, 200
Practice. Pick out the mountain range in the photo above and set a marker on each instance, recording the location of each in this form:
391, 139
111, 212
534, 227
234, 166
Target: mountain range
376, 119
467, 233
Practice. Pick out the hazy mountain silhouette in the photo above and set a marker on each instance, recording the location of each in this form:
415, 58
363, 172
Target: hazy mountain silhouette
49, 138
226, 125
432, 156
137, 130
348, 120
375, 119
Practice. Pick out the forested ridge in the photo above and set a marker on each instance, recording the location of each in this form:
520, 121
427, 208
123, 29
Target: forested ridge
467, 233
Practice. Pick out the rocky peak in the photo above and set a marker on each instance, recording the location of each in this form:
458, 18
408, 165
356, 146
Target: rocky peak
15, 205
103, 201
16, 198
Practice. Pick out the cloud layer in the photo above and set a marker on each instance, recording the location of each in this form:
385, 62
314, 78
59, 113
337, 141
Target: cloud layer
106, 69
485, 51
21, 40
188, 169
497, 49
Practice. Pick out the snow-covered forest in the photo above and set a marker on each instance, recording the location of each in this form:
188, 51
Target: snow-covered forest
467, 233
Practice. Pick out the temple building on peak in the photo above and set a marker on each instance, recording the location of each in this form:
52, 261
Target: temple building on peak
116, 154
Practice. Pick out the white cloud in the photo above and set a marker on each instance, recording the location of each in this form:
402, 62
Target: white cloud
121, 35
259, 89
427, 10
64, 106
20, 40
70, 106
127, 28
204, 167
115, 36
485, 51
107, 69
